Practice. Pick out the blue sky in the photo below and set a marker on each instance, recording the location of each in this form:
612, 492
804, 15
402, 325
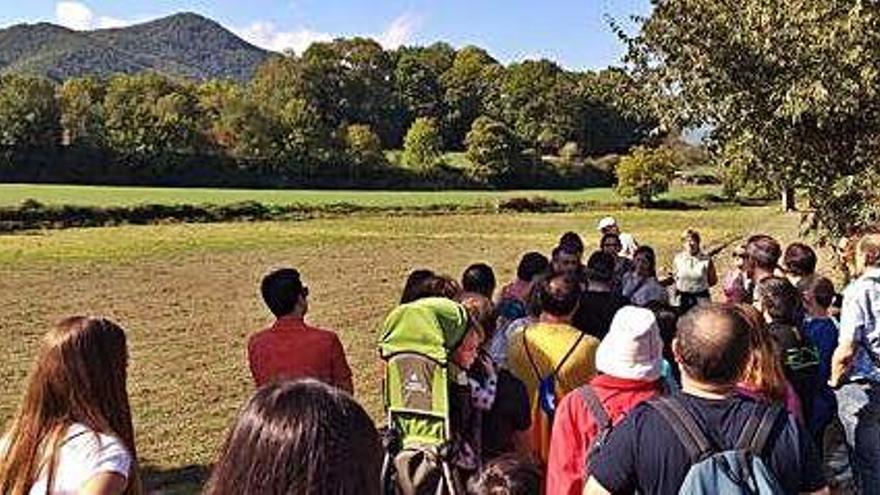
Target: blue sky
574, 33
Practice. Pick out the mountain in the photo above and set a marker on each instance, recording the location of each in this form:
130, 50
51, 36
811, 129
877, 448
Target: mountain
182, 45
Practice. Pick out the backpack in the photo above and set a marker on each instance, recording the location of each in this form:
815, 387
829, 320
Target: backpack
603, 421
416, 343
543, 403
547, 383
714, 470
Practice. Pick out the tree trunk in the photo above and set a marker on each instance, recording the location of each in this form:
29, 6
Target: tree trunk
788, 197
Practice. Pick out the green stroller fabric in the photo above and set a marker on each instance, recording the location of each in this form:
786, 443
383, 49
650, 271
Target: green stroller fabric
432, 327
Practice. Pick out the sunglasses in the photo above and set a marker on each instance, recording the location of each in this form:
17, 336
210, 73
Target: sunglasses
305, 291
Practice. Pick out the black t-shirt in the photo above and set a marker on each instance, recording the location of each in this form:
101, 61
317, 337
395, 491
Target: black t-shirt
595, 312
509, 414
643, 453
800, 362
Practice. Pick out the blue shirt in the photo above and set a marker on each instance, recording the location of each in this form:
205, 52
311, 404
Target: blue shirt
823, 333
858, 324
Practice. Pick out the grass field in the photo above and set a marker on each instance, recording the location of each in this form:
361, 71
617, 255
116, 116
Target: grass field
188, 295
14, 194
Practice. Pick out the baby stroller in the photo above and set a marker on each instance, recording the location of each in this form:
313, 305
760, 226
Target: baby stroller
416, 344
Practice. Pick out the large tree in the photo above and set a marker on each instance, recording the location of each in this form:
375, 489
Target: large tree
417, 79
466, 85
82, 110
149, 115
535, 98
613, 114
352, 81
29, 113
788, 88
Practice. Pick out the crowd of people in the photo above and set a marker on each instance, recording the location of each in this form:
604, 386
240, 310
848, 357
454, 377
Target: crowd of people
596, 376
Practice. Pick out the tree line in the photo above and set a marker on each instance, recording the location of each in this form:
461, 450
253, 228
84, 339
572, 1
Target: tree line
329, 117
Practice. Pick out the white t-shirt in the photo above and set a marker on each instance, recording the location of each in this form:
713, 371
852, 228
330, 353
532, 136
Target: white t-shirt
84, 454
691, 272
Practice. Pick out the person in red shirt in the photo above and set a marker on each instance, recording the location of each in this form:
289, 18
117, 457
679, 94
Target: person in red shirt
290, 348
630, 362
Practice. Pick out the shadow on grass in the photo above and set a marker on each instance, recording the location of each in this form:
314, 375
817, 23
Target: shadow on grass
184, 480
675, 204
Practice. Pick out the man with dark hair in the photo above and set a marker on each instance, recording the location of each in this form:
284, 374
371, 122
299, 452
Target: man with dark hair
761, 260
566, 259
645, 452
800, 263
479, 278
290, 348
599, 303
531, 265
855, 367
552, 353
574, 242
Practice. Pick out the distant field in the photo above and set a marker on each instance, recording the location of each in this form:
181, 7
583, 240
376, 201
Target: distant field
14, 194
188, 295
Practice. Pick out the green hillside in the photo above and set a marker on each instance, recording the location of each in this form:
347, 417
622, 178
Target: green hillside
182, 45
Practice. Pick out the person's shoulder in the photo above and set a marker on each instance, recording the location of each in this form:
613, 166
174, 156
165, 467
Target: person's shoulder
258, 337
866, 283
325, 335
98, 450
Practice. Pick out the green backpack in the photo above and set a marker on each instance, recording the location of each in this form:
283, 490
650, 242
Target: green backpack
416, 343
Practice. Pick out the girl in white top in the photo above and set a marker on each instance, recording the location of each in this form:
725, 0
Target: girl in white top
694, 272
73, 433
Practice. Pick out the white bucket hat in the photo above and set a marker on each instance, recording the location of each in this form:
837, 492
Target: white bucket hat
632, 349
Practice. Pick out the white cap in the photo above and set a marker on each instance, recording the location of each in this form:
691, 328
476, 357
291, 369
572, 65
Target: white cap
632, 349
606, 222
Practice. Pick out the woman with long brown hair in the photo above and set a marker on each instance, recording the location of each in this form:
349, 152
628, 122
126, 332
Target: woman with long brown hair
299, 437
764, 377
73, 433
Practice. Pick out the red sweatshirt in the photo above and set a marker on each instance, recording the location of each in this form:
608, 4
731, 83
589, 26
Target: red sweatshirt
574, 428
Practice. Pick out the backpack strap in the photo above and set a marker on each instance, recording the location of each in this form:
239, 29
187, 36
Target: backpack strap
600, 415
683, 424
568, 354
561, 362
595, 408
762, 435
529, 353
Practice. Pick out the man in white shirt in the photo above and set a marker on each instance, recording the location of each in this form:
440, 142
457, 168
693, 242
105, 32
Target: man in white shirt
855, 367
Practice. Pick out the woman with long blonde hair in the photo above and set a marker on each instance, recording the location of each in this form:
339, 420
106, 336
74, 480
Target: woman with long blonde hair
73, 433
764, 378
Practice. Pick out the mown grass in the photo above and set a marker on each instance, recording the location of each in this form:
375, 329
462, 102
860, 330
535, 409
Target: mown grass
187, 293
15, 194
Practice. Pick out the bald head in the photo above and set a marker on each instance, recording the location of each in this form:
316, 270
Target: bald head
712, 344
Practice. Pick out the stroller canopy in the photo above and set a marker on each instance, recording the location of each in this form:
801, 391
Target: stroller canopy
432, 327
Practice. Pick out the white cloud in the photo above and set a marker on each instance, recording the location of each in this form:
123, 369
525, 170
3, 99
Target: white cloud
400, 31
77, 15
74, 15
267, 35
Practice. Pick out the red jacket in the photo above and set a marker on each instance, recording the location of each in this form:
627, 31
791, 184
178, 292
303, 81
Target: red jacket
574, 428
291, 349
